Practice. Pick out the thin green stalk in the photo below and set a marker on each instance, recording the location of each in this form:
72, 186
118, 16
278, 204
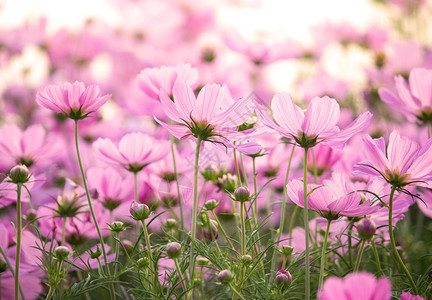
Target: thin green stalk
429, 124
243, 229
177, 182
376, 258
64, 230
222, 229
136, 199
235, 291
91, 208
183, 282
117, 252
306, 224
11, 269
350, 227
292, 220
18, 240
283, 208
149, 249
245, 179
237, 168
255, 189
315, 169
323, 255
50, 293
284, 261
393, 243
359, 256
194, 211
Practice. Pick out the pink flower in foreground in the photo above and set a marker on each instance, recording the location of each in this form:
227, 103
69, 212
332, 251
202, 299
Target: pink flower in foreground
329, 201
409, 296
356, 286
134, 152
316, 125
414, 98
152, 80
404, 162
74, 100
212, 116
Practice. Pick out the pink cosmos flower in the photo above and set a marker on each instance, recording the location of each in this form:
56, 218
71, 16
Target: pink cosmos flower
134, 152
32, 146
212, 116
409, 296
403, 163
112, 188
152, 80
330, 200
74, 100
316, 125
356, 286
414, 98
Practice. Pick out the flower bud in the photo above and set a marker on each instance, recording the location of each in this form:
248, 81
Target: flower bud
210, 231
246, 259
117, 226
225, 276
3, 266
95, 254
211, 204
202, 261
128, 246
366, 228
283, 278
211, 173
62, 252
139, 212
287, 250
19, 174
31, 215
143, 262
242, 194
173, 249
171, 223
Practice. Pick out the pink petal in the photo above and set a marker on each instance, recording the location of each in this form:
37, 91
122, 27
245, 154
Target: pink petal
420, 82
322, 115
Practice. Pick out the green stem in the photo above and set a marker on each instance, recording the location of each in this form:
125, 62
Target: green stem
91, 208
350, 227
64, 230
283, 208
376, 258
18, 240
180, 273
149, 251
222, 229
393, 243
315, 169
177, 182
323, 255
306, 224
235, 291
136, 200
237, 168
245, 179
255, 189
11, 269
359, 256
50, 293
194, 212
284, 262
243, 229
117, 252
291, 223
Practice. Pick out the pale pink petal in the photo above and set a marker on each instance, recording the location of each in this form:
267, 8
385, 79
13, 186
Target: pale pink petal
208, 101
420, 82
184, 99
286, 113
405, 94
322, 115
170, 108
401, 152
333, 289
